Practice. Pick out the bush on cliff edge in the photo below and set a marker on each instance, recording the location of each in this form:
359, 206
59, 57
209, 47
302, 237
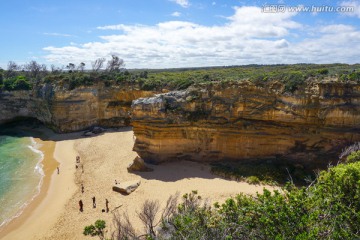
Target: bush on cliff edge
17, 83
329, 208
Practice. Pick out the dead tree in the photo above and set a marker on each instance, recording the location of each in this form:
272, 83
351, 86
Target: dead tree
12, 67
123, 228
98, 64
114, 64
71, 67
149, 214
81, 67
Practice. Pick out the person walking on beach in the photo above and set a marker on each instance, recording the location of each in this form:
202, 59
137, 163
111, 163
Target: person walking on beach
58, 170
107, 205
82, 188
94, 203
81, 205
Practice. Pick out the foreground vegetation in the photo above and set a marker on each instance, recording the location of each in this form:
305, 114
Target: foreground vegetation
274, 173
328, 208
113, 73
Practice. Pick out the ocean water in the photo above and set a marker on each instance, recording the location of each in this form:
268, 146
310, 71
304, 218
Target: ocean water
21, 175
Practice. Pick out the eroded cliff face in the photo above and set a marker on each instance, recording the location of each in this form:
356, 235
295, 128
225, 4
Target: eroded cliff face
244, 121
67, 111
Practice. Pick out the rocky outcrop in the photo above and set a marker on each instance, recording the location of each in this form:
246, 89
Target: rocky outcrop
94, 131
126, 187
234, 121
138, 165
78, 109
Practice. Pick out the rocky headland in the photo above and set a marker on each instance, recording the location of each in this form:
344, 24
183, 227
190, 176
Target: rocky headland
242, 120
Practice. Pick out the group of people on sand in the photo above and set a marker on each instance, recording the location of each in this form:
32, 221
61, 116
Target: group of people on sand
81, 205
78, 163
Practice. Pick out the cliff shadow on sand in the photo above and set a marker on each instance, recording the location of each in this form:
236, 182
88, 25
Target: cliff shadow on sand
175, 171
255, 171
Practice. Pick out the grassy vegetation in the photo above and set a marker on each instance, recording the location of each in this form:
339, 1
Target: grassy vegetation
268, 173
293, 76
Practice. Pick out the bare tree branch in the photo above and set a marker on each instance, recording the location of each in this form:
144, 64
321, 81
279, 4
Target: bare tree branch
98, 64
147, 215
114, 64
81, 67
123, 227
171, 206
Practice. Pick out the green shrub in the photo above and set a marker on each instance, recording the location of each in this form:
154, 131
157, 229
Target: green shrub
150, 84
353, 157
323, 71
17, 83
95, 230
343, 77
253, 180
293, 81
181, 84
121, 78
354, 76
328, 209
334, 202
1, 78
269, 173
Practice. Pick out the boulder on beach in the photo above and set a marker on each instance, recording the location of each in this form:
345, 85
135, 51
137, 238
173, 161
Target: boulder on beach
88, 134
94, 131
126, 187
139, 165
98, 130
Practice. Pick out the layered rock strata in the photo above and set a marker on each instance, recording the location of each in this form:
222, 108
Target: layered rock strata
67, 111
234, 121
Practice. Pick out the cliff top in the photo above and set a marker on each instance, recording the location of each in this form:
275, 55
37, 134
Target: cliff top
292, 76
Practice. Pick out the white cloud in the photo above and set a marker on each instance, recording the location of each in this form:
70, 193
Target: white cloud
183, 3
176, 14
213, 3
337, 28
249, 36
58, 35
353, 3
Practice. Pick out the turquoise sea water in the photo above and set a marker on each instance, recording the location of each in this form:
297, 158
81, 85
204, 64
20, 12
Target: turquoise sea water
21, 175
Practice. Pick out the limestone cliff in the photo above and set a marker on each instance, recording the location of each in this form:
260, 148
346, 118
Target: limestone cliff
78, 109
235, 121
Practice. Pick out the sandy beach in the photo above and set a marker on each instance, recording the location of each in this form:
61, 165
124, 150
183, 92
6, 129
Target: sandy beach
55, 214
43, 212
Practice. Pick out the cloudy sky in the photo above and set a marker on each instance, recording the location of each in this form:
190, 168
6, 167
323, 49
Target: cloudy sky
180, 33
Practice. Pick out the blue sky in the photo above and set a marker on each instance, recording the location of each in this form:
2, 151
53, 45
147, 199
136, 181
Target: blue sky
178, 33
